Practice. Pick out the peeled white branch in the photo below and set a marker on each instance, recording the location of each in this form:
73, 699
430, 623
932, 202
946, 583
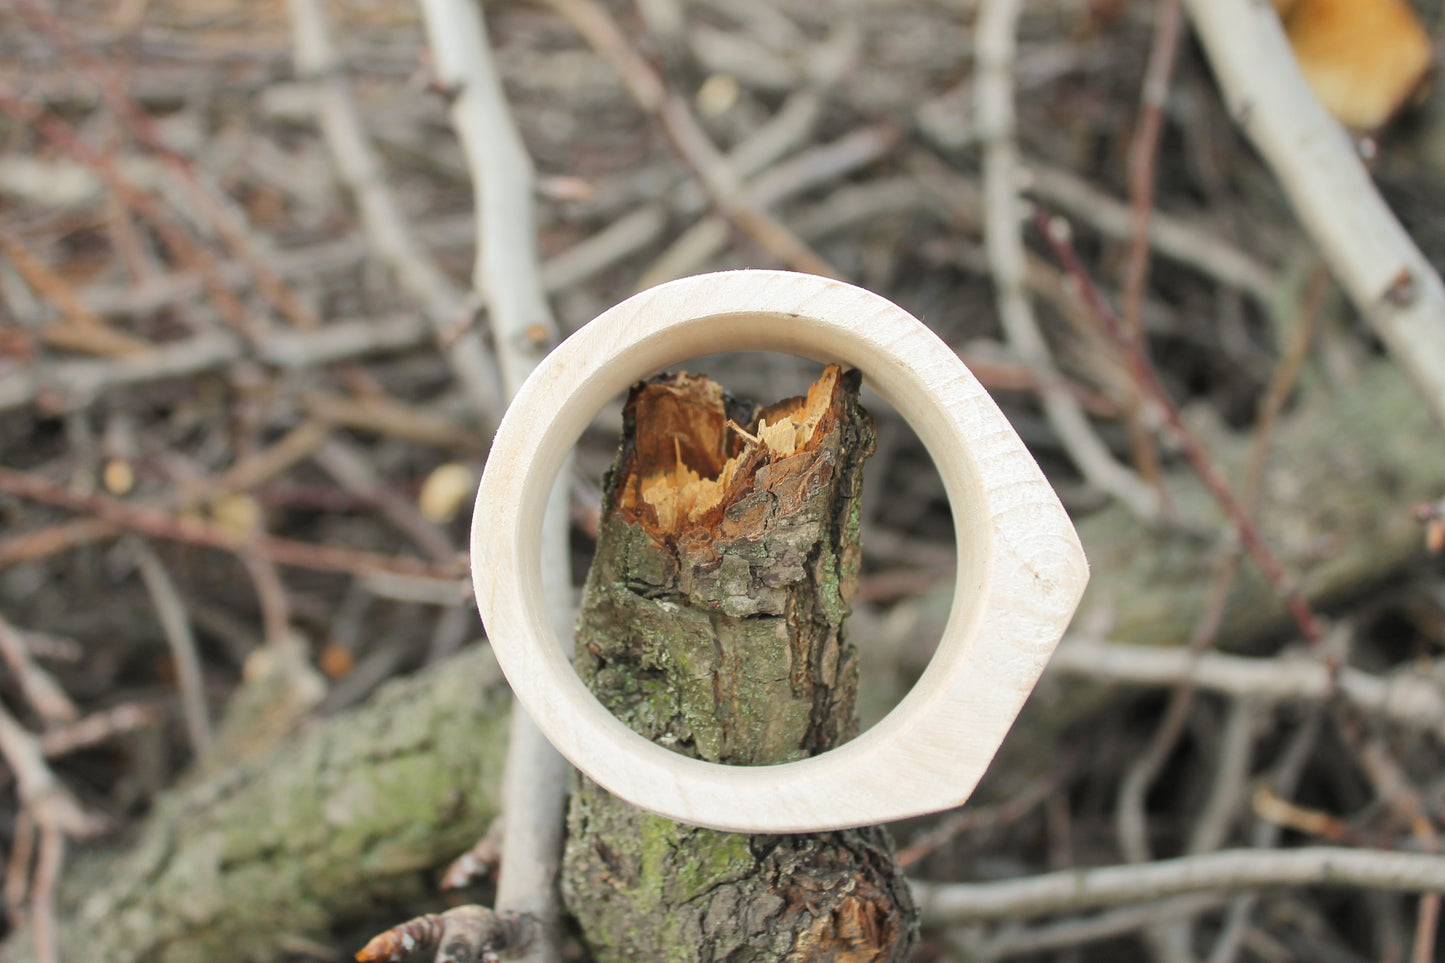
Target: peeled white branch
1391, 283
506, 274
945, 904
1003, 211
386, 226
1407, 699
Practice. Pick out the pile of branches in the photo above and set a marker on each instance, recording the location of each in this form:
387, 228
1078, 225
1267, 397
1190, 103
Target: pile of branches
266, 283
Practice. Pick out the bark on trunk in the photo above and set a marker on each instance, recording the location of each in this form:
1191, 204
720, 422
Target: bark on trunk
712, 624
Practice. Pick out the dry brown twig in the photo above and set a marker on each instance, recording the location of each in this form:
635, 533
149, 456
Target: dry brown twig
195, 256
56, 815
1056, 232
1175, 238
157, 524
1172, 941
223, 216
1143, 155
687, 136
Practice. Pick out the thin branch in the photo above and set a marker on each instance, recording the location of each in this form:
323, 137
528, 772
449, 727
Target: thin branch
40, 791
687, 136
944, 904
196, 257
84, 330
360, 169
1072, 933
72, 384
157, 524
42, 893
176, 625
1390, 281
97, 727
825, 162
41, 690
348, 464
1404, 698
994, 50
534, 787
228, 221
1143, 154
1172, 237
1056, 232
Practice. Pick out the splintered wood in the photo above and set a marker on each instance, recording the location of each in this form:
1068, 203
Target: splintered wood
693, 457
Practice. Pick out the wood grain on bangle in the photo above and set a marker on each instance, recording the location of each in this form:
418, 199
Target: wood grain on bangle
1021, 570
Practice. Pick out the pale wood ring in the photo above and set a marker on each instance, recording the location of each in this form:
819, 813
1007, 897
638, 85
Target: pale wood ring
1021, 569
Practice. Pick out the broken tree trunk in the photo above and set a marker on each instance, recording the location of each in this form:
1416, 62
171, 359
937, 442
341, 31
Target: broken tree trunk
712, 624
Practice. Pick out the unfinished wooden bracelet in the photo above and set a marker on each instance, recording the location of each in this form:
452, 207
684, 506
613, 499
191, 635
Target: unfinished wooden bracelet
1021, 569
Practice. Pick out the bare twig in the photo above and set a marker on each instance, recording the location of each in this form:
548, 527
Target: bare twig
176, 625
40, 791
349, 466
275, 459
972, 818
42, 892
534, 788
97, 728
40, 688
1405, 698
994, 50
1055, 230
30, 546
195, 256
380, 415
24, 836
1172, 237
229, 223
822, 163
1143, 152
360, 169
1225, 871
84, 329
688, 137
1390, 281
158, 524
1073, 933
271, 594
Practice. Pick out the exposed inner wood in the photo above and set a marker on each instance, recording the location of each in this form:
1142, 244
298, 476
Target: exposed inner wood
693, 457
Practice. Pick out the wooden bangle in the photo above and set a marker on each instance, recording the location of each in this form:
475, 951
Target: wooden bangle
1021, 569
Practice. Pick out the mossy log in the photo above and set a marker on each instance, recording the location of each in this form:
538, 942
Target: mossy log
358, 810
712, 623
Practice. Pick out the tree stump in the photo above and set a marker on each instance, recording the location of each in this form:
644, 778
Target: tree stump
712, 624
